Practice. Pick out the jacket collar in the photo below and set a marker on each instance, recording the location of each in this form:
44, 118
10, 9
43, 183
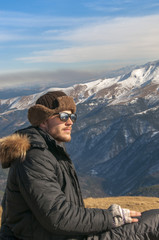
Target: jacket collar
16, 145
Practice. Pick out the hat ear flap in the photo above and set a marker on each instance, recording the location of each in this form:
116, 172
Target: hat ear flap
38, 114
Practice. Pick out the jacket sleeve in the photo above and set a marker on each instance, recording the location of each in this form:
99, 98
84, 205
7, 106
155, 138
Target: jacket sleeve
146, 228
39, 187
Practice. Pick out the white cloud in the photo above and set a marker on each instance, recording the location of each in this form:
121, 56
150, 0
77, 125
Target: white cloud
108, 39
18, 20
107, 6
113, 30
77, 40
95, 53
8, 36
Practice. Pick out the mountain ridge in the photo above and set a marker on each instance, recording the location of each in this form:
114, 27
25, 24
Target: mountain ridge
116, 135
136, 78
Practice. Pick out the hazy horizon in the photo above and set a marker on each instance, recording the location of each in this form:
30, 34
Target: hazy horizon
62, 39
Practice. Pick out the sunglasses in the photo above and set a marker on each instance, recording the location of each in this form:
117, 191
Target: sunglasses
65, 116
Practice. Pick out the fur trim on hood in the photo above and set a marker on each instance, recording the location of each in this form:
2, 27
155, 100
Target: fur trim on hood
13, 147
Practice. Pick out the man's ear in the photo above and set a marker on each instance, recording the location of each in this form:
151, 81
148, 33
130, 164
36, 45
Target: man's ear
43, 124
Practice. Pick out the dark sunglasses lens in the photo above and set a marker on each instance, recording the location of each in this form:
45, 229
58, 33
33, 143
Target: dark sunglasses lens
65, 116
73, 117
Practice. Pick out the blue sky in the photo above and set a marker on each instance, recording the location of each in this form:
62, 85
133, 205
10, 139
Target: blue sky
66, 38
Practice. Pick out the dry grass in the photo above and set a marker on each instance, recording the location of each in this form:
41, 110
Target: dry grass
134, 203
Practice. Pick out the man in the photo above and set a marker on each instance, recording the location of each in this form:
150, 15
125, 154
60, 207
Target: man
43, 200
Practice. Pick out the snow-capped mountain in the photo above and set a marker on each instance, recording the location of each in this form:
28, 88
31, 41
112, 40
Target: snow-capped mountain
116, 136
125, 88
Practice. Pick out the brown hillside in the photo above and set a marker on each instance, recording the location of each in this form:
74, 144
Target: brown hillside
133, 203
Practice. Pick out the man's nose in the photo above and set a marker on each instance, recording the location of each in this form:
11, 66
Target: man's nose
69, 121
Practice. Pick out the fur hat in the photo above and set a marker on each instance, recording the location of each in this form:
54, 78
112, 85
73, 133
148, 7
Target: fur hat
49, 104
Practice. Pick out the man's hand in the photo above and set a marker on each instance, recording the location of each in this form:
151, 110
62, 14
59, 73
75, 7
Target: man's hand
134, 214
123, 215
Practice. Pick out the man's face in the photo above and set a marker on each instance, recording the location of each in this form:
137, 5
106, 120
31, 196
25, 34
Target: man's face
59, 130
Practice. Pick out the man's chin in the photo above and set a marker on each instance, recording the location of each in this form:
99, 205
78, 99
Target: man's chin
68, 139
63, 139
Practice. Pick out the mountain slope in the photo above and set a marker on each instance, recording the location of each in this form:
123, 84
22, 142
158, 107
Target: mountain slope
116, 136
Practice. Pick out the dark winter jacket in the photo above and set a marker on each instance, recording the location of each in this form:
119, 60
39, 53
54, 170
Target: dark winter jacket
43, 200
